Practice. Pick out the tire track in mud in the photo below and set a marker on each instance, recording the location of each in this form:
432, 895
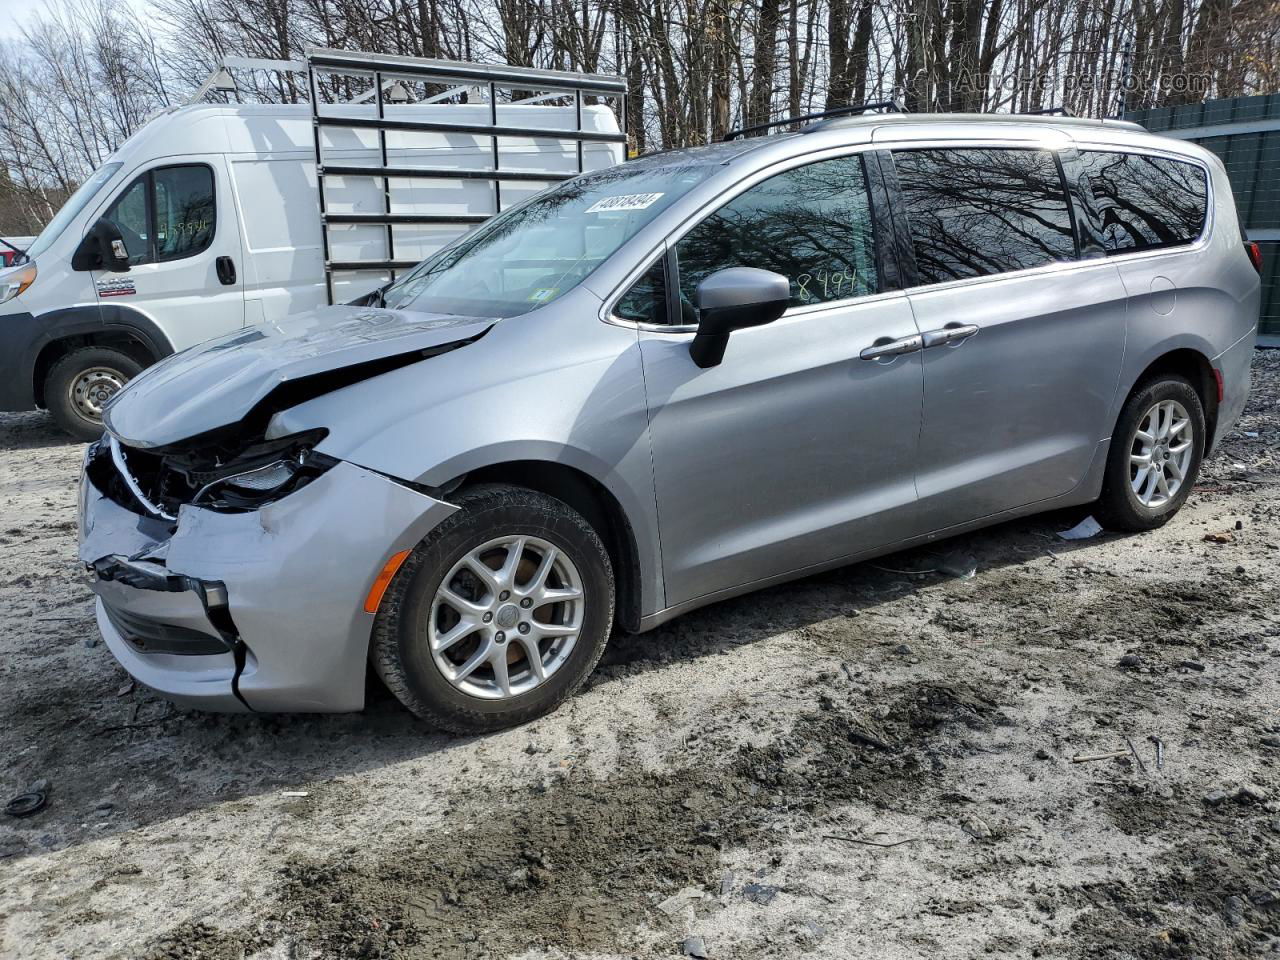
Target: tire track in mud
579, 865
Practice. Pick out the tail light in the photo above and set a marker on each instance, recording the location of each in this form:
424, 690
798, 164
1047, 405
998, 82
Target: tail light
1255, 255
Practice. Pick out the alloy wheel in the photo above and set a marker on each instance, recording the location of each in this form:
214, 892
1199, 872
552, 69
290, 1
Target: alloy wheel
506, 617
1160, 453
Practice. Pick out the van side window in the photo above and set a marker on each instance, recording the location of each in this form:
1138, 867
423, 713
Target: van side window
812, 225
646, 301
1145, 202
166, 214
129, 214
975, 211
184, 211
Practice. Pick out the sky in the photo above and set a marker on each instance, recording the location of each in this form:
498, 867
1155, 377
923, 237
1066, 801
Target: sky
14, 14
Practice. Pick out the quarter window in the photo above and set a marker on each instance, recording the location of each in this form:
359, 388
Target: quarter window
166, 214
812, 225
981, 211
646, 301
1145, 203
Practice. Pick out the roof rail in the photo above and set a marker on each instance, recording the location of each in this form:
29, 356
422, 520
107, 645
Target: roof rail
1049, 112
890, 106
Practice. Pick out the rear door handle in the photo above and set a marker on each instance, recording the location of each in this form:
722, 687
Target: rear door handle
226, 268
951, 333
886, 349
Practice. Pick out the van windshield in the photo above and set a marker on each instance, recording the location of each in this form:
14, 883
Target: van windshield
535, 252
77, 202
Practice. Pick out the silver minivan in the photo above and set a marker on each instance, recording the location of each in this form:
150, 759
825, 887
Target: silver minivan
661, 384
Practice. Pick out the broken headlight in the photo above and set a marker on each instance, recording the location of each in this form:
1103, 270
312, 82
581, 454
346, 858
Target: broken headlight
263, 474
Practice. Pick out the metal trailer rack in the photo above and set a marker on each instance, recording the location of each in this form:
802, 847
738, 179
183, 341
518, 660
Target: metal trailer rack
457, 78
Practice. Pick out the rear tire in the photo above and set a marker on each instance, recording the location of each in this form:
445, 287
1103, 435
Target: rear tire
1150, 473
78, 385
440, 618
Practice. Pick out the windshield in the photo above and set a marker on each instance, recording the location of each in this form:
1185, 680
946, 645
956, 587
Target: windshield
533, 253
71, 208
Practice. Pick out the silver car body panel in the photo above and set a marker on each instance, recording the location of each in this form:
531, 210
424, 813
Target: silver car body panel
296, 574
790, 457
218, 382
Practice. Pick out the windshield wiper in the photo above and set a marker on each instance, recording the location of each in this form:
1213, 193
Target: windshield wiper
22, 254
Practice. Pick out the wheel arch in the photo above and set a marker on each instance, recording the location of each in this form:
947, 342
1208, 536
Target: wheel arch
597, 505
1193, 366
118, 327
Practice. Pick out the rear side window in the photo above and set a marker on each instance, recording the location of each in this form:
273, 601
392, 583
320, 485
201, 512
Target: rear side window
811, 224
980, 211
166, 214
1145, 203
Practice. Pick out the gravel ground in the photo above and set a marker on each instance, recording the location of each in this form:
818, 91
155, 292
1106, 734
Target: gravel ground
875, 762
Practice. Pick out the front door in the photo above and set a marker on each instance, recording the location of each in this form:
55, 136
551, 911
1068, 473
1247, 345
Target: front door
1023, 343
181, 233
794, 450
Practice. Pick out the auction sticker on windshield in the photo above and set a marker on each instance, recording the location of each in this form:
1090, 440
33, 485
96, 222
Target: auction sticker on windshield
628, 201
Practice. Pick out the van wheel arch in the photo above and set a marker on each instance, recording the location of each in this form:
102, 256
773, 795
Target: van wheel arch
134, 345
593, 501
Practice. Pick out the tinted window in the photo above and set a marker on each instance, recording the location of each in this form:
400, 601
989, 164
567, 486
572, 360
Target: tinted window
812, 225
646, 301
1145, 202
184, 211
976, 212
166, 214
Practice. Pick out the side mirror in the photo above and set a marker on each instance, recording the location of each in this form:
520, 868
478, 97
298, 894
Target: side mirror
731, 299
102, 249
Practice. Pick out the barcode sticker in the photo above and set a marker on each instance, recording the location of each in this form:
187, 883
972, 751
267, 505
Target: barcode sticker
628, 201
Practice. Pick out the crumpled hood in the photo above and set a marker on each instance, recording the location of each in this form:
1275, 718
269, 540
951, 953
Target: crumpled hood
220, 381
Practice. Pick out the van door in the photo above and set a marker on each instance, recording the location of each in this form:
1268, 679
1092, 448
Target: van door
183, 239
1022, 342
799, 448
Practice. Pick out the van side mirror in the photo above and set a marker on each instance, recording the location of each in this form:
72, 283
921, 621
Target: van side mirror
102, 249
732, 299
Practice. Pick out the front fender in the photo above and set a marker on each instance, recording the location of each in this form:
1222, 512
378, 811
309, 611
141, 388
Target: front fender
563, 389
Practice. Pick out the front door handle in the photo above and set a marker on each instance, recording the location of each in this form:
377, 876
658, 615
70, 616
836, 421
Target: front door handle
226, 268
887, 349
951, 333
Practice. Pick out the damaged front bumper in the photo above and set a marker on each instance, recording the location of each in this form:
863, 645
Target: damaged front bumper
257, 610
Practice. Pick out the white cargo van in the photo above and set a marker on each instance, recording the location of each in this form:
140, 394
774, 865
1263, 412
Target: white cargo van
210, 218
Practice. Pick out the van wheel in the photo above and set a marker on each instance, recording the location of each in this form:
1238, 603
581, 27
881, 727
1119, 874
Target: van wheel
1154, 457
498, 615
79, 385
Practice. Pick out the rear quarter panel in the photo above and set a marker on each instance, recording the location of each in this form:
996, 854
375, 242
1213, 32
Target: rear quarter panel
1203, 297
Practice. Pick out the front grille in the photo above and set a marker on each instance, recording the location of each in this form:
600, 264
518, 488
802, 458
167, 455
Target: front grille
154, 636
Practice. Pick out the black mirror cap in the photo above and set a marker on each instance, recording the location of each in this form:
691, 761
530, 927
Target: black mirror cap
733, 299
97, 249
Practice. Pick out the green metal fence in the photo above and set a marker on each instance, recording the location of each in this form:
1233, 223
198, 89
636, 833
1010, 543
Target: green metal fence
1244, 132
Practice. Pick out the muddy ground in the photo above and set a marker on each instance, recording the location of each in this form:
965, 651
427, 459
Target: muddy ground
872, 763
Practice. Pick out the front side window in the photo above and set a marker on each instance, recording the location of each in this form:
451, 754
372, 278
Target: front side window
975, 212
1145, 203
534, 253
184, 208
130, 215
812, 224
166, 214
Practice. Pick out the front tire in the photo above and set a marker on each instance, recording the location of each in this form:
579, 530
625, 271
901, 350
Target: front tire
498, 615
1154, 457
79, 384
